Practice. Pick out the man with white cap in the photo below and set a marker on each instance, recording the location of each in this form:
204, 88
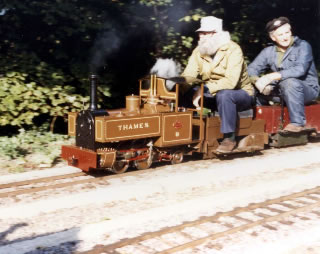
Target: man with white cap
293, 71
219, 63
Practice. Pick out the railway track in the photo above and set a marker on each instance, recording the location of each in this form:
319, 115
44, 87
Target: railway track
192, 234
14, 189
31, 186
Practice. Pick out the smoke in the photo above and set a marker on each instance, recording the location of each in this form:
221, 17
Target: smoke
180, 10
106, 44
166, 15
166, 68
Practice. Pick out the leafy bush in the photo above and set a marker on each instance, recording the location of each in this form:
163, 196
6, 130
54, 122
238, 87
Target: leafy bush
21, 101
32, 149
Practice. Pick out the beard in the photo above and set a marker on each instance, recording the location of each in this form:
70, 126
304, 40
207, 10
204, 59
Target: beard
209, 45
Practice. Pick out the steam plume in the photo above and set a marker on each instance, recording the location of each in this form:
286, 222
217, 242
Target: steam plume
106, 44
166, 68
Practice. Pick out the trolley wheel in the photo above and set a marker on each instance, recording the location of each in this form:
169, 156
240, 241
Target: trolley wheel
119, 167
177, 157
143, 164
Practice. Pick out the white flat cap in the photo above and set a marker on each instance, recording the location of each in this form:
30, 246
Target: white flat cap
210, 24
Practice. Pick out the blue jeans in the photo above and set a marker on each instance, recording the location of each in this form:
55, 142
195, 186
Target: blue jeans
228, 103
295, 94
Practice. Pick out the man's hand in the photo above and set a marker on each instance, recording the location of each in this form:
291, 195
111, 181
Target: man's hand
274, 76
267, 90
263, 83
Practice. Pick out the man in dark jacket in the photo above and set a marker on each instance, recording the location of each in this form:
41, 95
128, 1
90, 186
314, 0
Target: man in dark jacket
293, 71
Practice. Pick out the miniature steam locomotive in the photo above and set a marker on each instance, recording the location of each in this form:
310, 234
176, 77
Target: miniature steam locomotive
153, 127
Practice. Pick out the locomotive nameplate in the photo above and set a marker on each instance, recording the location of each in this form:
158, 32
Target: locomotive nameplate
127, 128
176, 129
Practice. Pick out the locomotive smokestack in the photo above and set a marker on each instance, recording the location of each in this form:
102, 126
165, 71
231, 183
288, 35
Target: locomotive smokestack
93, 92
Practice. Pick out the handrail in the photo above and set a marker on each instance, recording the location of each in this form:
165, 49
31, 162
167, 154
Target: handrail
200, 113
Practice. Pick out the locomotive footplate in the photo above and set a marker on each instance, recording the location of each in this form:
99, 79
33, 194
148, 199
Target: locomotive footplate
284, 138
78, 157
248, 144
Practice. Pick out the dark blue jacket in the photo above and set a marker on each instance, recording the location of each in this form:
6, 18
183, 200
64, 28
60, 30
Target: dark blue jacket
297, 63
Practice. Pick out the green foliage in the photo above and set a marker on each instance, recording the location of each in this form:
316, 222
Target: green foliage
51, 41
52, 36
151, 3
178, 48
31, 149
46, 46
195, 15
21, 101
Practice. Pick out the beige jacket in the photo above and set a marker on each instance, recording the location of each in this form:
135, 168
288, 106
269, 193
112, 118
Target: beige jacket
227, 70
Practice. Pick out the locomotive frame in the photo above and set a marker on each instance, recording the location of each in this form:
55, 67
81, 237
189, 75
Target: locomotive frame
154, 127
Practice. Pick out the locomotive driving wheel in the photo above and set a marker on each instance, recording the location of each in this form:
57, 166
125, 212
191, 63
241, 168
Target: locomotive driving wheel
119, 167
177, 157
143, 164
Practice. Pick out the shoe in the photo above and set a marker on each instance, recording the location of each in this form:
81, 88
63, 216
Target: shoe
226, 146
293, 128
